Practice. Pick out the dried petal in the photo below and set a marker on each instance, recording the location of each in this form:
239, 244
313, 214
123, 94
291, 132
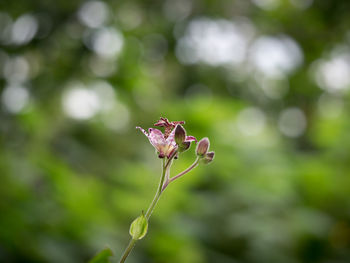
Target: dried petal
144, 132
156, 137
171, 139
164, 122
190, 139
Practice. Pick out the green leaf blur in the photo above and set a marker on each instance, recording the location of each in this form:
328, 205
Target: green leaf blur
103, 256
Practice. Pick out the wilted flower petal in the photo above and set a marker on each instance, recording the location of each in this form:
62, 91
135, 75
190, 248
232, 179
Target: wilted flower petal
165, 147
164, 122
156, 137
190, 139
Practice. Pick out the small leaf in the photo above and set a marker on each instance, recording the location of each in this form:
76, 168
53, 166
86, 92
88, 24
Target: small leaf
138, 228
102, 256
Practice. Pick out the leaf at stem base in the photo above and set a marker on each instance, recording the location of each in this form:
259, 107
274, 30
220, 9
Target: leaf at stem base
102, 256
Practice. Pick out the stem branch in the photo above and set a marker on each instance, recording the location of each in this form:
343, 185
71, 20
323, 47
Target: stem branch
181, 174
165, 167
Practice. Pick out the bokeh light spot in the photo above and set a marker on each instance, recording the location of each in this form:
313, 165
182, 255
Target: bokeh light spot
15, 98
275, 56
24, 29
251, 121
80, 102
107, 42
16, 69
267, 4
93, 13
214, 42
333, 75
292, 122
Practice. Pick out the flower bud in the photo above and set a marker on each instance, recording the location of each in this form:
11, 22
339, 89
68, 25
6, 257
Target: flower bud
202, 147
138, 228
180, 134
208, 157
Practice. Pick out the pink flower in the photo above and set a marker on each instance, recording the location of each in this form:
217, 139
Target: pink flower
165, 144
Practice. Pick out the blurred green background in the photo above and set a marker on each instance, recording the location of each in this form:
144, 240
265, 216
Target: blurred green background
266, 80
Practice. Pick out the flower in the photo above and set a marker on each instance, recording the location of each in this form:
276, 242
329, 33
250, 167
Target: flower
165, 143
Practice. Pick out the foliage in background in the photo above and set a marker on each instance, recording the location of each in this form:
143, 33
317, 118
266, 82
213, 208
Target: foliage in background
267, 80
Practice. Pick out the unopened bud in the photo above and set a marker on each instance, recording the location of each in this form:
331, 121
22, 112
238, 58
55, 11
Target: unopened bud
202, 147
180, 134
138, 228
208, 157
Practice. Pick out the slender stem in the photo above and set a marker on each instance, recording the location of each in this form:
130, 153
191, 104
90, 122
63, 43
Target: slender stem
165, 167
181, 174
159, 190
128, 250
167, 173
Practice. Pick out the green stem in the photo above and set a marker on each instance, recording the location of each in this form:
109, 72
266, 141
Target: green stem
159, 190
128, 250
181, 174
165, 167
